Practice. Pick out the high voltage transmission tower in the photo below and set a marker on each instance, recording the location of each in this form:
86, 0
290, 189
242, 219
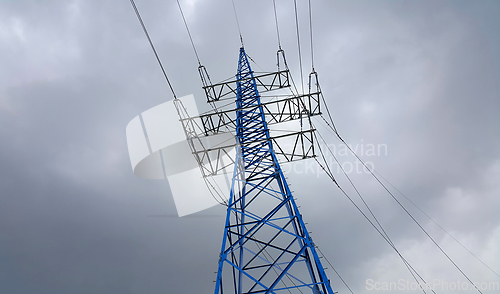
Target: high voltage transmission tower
266, 247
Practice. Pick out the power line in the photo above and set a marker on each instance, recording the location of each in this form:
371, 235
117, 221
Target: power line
237, 23
332, 127
336, 272
388, 239
430, 218
276, 20
311, 34
411, 216
189, 33
298, 43
207, 182
328, 173
152, 46
407, 212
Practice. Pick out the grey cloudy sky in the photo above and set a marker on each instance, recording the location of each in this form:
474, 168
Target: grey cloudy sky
421, 77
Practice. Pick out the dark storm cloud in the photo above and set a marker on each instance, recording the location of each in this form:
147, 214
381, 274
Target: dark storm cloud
420, 77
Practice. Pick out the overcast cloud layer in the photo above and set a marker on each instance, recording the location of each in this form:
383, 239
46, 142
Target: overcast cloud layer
421, 77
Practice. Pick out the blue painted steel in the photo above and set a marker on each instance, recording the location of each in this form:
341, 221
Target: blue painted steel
266, 247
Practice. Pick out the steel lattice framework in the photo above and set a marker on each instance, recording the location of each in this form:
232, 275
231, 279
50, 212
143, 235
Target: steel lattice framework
266, 247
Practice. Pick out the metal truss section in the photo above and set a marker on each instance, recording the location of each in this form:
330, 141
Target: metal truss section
295, 146
218, 158
266, 247
214, 154
277, 111
212, 135
225, 90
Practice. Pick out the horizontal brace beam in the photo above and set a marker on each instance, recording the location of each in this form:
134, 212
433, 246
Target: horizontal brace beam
278, 111
265, 82
257, 141
302, 148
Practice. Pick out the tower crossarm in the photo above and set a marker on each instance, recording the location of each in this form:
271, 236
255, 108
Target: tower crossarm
265, 82
287, 148
276, 111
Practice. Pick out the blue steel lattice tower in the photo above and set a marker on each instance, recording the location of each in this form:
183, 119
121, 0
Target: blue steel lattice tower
266, 247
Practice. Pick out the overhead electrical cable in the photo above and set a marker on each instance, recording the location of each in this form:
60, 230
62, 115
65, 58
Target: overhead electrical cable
194, 49
410, 215
201, 68
276, 21
298, 43
333, 179
431, 219
407, 212
330, 124
293, 83
209, 185
251, 59
237, 23
382, 231
189, 33
182, 112
221, 200
332, 127
152, 46
311, 34
326, 170
280, 50
388, 239
336, 272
